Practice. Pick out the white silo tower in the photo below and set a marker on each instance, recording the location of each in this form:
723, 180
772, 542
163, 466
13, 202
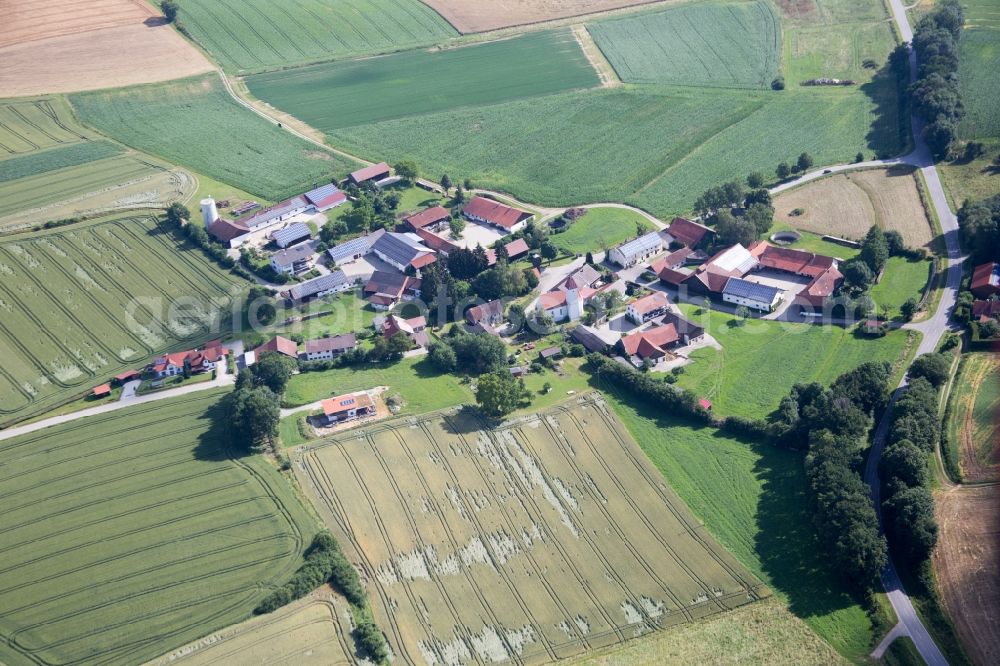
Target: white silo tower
209, 213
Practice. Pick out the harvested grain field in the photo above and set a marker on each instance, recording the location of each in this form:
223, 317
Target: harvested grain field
311, 632
974, 423
847, 205
484, 15
537, 540
50, 46
967, 564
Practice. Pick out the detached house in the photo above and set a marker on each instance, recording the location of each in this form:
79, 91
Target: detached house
494, 213
414, 328
385, 290
197, 361
296, 259
278, 345
638, 249
347, 407
323, 349
985, 280
648, 307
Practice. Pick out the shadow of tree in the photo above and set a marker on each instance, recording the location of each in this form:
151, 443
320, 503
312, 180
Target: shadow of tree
216, 443
889, 133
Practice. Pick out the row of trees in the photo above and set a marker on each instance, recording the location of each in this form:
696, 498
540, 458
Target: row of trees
936, 96
834, 422
176, 218
739, 216
979, 224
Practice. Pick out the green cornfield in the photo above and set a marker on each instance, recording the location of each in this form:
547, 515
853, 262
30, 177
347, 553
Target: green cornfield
340, 94
732, 45
195, 123
83, 303
129, 534
262, 34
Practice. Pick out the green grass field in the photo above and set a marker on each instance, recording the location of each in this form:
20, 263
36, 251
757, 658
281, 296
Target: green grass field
973, 426
903, 279
979, 61
36, 124
129, 534
752, 498
83, 303
343, 313
838, 51
336, 95
195, 123
975, 180
601, 228
657, 148
260, 34
731, 45
815, 243
422, 387
761, 361
56, 158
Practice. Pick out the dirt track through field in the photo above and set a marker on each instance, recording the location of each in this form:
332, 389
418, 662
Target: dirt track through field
967, 564
979, 460
527, 543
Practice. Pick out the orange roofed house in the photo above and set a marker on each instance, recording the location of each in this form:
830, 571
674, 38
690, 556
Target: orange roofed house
487, 211
278, 345
196, 360
347, 407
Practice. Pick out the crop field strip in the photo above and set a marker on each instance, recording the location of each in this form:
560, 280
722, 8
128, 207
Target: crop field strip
979, 60
974, 423
26, 126
733, 45
341, 94
195, 123
258, 34
522, 502
96, 543
80, 304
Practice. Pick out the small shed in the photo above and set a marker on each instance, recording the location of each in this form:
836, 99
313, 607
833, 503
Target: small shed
705, 403
102, 391
551, 353
127, 376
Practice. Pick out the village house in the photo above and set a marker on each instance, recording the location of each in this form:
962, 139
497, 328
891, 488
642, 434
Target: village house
291, 235
755, 296
402, 251
346, 408
385, 290
494, 213
648, 307
278, 345
374, 174
985, 280
585, 277
333, 282
673, 261
294, 260
687, 233
983, 311
432, 219
638, 249
414, 328
657, 344
195, 360
324, 349
325, 197
488, 314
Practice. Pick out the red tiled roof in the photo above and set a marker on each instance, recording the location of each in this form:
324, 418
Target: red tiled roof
552, 299
670, 276
715, 279
651, 342
379, 299
280, 345
485, 311
516, 248
380, 170
435, 242
225, 230
985, 279
649, 302
985, 309
427, 217
127, 375
343, 403
672, 260
687, 232
103, 389
423, 260
821, 287
704, 404
495, 212
790, 260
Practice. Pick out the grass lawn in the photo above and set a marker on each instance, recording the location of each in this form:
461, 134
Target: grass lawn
414, 199
976, 179
814, 243
752, 498
210, 187
761, 361
346, 312
836, 51
601, 228
903, 279
423, 388
288, 429
336, 95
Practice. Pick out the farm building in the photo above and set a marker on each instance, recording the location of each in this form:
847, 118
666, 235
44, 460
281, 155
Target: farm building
102, 391
275, 214
582, 278
326, 197
437, 243
751, 294
672, 261
826, 277
278, 345
347, 407
638, 249
291, 235
648, 307
550, 353
323, 349
354, 249
591, 339
985, 310
414, 328
488, 313
227, 232
487, 211
711, 276
687, 233
402, 250
516, 249
373, 174
562, 305
293, 260
432, 219
985, 280
385, 290
331, 283
127, 376
652, 345
197, 361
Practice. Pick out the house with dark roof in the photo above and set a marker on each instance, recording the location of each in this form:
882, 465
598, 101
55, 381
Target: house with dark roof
488, 211
384, 290
582, 278
753, 295
488, 313
324, 349
347, 407
985, 280
291, 235
402, 251
293, 260
432, 219
278, 345
332, 283
325, 197
414, 328
228, 232
638, 249
687, 232
373, 173
648, 307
